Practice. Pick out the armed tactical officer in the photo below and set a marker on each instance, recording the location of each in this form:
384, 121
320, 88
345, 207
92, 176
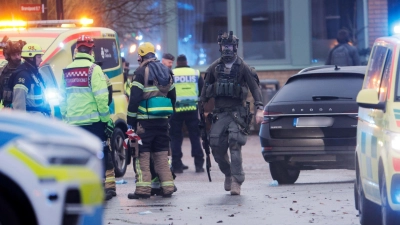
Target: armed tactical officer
12, 54
151, 102
85, 99
27, 84
228, 80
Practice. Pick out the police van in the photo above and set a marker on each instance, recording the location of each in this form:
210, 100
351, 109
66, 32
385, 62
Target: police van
377, 185
50, 173
58, 40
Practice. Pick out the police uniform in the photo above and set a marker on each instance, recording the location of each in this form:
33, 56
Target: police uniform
85, 100
188, 84
228, 83
149, 118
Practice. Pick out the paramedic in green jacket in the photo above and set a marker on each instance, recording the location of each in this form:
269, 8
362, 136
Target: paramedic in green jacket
85, 100
150, 104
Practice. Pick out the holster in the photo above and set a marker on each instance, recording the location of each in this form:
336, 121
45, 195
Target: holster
135, 148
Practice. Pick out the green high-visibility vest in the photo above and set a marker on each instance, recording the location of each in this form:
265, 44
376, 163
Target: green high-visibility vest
187, 92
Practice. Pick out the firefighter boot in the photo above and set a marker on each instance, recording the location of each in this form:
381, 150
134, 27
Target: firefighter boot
228, 183
235, 188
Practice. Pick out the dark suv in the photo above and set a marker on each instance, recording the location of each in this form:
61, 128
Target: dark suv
311, 123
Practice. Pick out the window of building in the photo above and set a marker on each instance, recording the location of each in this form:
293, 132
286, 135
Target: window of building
327, 18
263, 29
199, 23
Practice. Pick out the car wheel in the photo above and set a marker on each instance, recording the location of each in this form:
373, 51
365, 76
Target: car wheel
367, 210
284, 175
119, 154
8, 215
389, 217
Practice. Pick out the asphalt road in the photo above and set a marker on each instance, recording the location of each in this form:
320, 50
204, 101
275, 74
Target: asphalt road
318, 197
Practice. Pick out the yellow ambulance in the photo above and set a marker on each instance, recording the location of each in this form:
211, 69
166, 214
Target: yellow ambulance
58, 40
377, 185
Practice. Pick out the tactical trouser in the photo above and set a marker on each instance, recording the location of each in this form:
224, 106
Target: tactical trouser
225, 133
109, 174
155, 145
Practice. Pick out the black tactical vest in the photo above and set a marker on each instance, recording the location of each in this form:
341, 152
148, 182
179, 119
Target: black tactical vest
5, 91
228, 84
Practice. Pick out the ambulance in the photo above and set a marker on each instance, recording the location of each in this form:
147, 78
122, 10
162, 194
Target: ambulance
58, 40
377, 184
50, 173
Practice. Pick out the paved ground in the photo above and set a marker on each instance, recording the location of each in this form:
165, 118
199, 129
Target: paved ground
318, 197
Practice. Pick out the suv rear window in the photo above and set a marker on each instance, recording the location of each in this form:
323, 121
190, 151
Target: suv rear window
303, 88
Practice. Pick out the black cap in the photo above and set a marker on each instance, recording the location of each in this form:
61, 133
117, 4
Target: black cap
168, 56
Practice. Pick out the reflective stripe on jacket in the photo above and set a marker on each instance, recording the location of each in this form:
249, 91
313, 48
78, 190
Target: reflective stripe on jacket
84, 92
186, 84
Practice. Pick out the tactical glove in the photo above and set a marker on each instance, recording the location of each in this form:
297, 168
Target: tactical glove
109, 128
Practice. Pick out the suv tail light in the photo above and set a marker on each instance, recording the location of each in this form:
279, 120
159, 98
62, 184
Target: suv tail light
267, 115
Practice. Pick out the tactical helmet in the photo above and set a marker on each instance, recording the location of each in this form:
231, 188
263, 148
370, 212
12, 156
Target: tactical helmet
146, 48
225, 39
10, 47
31, 50
85, 40
228, 55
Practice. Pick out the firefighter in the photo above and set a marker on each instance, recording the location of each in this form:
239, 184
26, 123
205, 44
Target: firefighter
85, 100
151, 102
12, 54
188, 85
228, 80
27, 84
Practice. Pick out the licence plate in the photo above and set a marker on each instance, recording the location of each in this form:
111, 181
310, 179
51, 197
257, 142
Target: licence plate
316, 121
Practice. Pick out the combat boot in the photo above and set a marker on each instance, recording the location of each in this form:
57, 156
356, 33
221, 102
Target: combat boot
228, 183
235, 188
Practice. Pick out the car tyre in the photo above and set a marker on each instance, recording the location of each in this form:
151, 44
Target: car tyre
389, 217
120, 155
8, 215
284, 175
366, 209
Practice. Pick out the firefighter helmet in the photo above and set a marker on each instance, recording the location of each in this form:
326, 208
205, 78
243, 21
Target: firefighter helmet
31, 50
84, 40
145, 48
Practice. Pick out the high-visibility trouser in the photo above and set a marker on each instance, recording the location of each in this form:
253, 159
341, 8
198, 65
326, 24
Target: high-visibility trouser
142, 165
109, 182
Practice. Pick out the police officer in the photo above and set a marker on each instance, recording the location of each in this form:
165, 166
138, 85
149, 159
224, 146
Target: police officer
12, 54
85, 100
228, 80
167, 60
188, 85
27, 83
151, 102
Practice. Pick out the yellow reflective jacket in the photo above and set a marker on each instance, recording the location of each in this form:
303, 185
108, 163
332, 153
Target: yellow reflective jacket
84, 92
186, 84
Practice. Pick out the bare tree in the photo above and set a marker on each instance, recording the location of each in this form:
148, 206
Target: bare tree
123, 16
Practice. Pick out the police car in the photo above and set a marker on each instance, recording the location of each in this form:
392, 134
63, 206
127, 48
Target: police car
377, 186
58, 40
50, 173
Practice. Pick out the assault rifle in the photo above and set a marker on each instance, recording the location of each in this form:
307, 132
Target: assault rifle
204, 137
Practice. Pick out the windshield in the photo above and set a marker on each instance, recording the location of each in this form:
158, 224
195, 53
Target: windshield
48, 77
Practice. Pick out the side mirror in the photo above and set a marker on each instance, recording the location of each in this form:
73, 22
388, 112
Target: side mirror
368, 98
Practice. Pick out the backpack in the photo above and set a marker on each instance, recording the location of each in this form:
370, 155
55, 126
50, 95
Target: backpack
340, 56
155, 102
